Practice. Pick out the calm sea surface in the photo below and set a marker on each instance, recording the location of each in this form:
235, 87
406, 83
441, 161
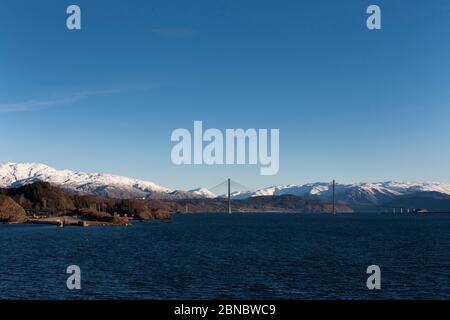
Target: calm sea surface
239, 256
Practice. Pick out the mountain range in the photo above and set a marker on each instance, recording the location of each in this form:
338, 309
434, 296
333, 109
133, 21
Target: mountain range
14, 175
358, 196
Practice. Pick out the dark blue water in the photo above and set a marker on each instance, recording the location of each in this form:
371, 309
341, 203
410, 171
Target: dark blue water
239, 256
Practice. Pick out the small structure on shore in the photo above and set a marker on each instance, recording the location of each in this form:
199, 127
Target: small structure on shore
83, 223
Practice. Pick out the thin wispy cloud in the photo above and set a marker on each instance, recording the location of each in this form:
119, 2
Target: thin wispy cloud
28, 105
173, 32
68, 98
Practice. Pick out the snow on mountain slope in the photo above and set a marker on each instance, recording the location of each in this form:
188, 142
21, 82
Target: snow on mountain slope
411, 187
324, 189
203, 192
18, 174
360, 194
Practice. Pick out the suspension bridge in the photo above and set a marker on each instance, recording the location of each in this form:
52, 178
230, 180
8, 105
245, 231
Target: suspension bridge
229, 187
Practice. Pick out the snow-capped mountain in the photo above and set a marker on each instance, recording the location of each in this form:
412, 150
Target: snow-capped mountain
357, 195
203, 192
390, 188
18, 174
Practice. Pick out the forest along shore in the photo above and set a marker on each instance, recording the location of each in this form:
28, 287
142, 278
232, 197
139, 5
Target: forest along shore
43, 203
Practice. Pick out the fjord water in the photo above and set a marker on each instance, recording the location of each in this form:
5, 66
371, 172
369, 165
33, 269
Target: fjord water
238, 256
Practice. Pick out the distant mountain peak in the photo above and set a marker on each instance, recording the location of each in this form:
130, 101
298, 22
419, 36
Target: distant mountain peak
204, 192
18, 174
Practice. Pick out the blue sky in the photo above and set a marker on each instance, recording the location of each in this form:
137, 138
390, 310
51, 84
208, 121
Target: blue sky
351, 104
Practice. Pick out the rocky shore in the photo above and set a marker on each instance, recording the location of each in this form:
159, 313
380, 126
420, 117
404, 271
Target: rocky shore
10, 211
42, 203
65, 221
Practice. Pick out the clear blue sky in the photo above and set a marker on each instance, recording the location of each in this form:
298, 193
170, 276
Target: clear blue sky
351, 104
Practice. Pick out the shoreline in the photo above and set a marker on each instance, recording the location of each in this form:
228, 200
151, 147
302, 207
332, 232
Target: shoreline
75, 221
69, 221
